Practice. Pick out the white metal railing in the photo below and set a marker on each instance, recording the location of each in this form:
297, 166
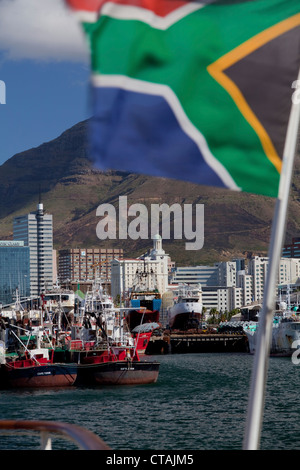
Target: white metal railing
83, 438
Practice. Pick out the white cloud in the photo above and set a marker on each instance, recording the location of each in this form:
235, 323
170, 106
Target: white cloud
40, 30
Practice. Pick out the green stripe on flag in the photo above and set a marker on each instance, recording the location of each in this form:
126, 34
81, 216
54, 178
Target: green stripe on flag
179, 56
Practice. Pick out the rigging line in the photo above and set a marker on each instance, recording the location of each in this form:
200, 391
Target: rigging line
29, 352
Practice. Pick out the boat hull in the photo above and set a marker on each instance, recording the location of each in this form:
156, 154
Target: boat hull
284, 336
118, 373
181, 314
48, 375
138, 317
142, 341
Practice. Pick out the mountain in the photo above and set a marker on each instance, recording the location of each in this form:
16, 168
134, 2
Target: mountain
235, 224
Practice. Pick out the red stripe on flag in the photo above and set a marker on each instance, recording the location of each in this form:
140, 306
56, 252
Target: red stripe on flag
159, 7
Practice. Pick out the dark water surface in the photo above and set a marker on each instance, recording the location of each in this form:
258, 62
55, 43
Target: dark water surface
198, 403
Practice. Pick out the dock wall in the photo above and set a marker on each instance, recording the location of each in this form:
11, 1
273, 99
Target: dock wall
197, 343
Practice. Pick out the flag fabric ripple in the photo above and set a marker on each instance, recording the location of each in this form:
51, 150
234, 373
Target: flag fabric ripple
194, 90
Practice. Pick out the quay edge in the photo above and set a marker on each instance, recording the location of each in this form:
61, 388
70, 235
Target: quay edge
193, 342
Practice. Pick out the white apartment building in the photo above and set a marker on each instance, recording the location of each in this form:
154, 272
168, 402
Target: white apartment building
222, 298
216, 281
149, 272
258, 268
236, 299
193, 275
225, 286
36, 231
226, 274
245, 284
289, 273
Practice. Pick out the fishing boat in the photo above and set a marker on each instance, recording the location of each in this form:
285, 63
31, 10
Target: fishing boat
142, 334
27, 360
285, 329
144, 308
98, 301
143, 300
38, 371
285, 332
108, 354
35, 369
58, 298
187, 309
116, 366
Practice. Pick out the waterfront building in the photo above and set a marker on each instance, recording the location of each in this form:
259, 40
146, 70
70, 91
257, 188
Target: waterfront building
85, 264
149, 271
221, 274
245, 284
36, 231
216, 282
211, 297
225, 286
193, 275
14, 271
226, 273
222, 298
258, 268
289, 273
236, 299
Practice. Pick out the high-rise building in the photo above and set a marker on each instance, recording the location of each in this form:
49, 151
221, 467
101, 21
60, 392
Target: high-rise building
85, 264
36, 231
14, 271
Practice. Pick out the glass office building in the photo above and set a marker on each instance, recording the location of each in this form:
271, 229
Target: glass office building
14, 271
292, 250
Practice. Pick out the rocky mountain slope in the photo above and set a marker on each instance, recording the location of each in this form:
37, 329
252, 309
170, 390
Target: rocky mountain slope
234, 223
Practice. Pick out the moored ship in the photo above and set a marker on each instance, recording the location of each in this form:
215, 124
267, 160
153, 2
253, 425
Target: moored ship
58, 299
144, 308
143, 300
38, 372
142, 334
187, 309
285, 334
108, 355
116, 366
33, 366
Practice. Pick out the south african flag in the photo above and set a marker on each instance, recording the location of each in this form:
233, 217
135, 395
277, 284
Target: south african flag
193, 90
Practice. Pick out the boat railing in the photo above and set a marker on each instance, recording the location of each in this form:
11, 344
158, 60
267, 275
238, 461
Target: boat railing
84, 346
81, 437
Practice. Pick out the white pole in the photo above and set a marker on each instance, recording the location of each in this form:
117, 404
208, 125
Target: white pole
261, 358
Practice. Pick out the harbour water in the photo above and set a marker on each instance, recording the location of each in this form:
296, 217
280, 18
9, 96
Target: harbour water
198, 403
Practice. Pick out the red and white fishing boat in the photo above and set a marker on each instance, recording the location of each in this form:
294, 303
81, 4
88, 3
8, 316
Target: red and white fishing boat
142, 334
107, 354
36, 368
38, 372
116, 366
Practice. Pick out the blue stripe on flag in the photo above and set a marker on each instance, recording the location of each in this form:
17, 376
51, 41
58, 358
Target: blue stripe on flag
138, 133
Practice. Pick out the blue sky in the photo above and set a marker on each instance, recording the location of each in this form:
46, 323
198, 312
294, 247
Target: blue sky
44, 63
